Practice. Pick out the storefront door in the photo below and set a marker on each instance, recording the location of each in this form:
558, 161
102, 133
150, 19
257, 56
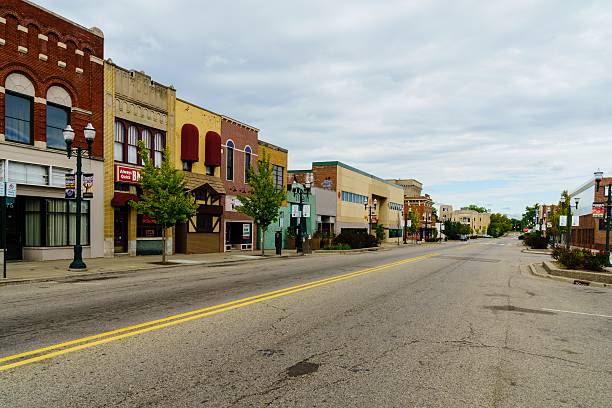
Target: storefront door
14, 232
121, 229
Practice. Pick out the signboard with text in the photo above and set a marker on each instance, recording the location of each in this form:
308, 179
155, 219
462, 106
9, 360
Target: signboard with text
124, 174
599, 209
11, 189
306, 210
246, 231
295, 211
87, 182
70, 186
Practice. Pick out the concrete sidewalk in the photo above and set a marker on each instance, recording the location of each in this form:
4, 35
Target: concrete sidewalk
24, 271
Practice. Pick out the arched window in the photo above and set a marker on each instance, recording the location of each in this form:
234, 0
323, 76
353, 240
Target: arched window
158, 149
132, 144
59, 105
230, 160
247, 162
119, 141
18, 109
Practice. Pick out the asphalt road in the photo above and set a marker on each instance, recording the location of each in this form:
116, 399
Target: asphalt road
452, 325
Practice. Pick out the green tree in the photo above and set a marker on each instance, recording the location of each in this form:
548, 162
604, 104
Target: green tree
454, 229
477, 208
380, 233
528, 216
414, 217
164, 196
265, 200
499, 225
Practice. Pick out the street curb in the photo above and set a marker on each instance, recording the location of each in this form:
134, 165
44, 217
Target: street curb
531, 251
349, 251
97, 275
534, 272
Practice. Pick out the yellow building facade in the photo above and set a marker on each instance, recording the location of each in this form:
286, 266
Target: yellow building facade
197, 143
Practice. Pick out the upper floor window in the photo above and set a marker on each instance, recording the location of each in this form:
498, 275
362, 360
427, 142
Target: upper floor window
119, 141
277, 176
230, 160
247, 162
145, 136
59, 105
18, 109
158, 149
132, 144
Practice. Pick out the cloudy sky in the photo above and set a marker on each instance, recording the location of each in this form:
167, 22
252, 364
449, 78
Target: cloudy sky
501, 104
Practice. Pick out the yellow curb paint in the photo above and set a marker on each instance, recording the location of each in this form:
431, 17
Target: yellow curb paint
114, 335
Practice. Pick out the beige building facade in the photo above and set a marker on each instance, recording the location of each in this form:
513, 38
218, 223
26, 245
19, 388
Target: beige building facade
479, 222
136, 108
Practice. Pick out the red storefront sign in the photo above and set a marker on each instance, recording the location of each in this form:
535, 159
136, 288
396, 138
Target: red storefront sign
599, 210
125, 174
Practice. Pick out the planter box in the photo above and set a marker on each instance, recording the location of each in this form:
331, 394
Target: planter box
552, 269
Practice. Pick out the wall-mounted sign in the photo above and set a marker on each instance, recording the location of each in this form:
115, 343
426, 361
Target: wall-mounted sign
87, 180
246, 231
70, 186
327, 183
599, 209
306, 210
125, 174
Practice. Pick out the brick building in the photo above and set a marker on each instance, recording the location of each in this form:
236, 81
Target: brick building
591, 231
51, 76
239, 151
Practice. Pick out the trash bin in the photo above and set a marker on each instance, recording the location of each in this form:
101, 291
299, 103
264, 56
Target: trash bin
278, 242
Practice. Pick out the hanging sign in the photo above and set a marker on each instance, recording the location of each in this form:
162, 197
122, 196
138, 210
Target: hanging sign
575, 220
70, 186
11, 189
306, 210
599, 209
295, 211
88, 185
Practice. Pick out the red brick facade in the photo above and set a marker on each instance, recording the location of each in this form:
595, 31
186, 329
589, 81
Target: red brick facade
37, 44
592, 232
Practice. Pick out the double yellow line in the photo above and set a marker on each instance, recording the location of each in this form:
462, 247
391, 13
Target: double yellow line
59, 349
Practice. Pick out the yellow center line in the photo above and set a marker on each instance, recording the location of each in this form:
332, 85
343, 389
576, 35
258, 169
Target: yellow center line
118, 334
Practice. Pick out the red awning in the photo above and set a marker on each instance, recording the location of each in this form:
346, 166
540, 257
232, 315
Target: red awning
120, 199
212, 153
189, 142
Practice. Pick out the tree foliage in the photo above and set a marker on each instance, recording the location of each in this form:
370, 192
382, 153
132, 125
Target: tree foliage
454, 229
477, 208
528, 216
264, 201
164, 197
499, 225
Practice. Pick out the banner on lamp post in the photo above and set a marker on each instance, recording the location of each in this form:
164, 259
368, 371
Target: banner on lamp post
575, 221
87, 182
70, 186
563, 220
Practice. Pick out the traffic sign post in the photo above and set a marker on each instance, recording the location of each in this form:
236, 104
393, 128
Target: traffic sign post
8, 193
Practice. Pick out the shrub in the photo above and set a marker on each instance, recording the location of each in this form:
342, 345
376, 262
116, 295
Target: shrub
356, 239
536, 241
521, 237
380, 233
557, 251
572, 258
594, 261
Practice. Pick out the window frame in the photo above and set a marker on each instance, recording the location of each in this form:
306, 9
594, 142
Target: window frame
31, 121
247, 162
229, 160
67, 110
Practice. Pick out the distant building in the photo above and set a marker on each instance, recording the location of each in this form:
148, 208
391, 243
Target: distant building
591, 231
445, 213
412, 187
478, 222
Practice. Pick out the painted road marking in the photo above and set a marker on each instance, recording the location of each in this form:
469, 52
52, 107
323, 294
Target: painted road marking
118, 334
578, 313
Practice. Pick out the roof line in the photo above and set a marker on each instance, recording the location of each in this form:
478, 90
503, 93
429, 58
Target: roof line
348, 167
94, 30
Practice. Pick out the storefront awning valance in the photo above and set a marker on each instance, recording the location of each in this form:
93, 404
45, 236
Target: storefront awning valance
121, 199
189, 142
195, 180
212, 153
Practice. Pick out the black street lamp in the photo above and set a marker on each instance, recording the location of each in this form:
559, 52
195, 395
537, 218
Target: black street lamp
90, 134
598, 178
301, 191
369, 208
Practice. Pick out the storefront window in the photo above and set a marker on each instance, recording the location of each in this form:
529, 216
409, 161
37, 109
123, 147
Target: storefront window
33, 230
147, 228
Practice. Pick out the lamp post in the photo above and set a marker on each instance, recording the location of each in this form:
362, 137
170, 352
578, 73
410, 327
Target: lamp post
598, 178
90, 134
405, 229
302, 191
369, 208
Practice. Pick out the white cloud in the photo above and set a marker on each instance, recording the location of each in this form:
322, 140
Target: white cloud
510, 100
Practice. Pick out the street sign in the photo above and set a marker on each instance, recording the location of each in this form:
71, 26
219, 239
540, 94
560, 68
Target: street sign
525, 230
11, 189
599, 209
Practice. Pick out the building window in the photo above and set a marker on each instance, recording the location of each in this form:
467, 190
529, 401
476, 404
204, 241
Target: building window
119, 141
247, 163
210, 170
158, 149
204, 223
230, 160
52, 222
132, 145
146, 227
58, 118
18, 118
277, 176
145, 136
187, 165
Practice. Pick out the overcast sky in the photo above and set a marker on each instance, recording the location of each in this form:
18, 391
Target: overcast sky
498, 103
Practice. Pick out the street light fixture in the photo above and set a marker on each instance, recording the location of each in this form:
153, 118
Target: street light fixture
369, 208
598, 178
302, 191
90, 134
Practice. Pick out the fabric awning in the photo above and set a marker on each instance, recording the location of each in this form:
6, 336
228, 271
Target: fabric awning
212, 151
121, 199
189, 142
